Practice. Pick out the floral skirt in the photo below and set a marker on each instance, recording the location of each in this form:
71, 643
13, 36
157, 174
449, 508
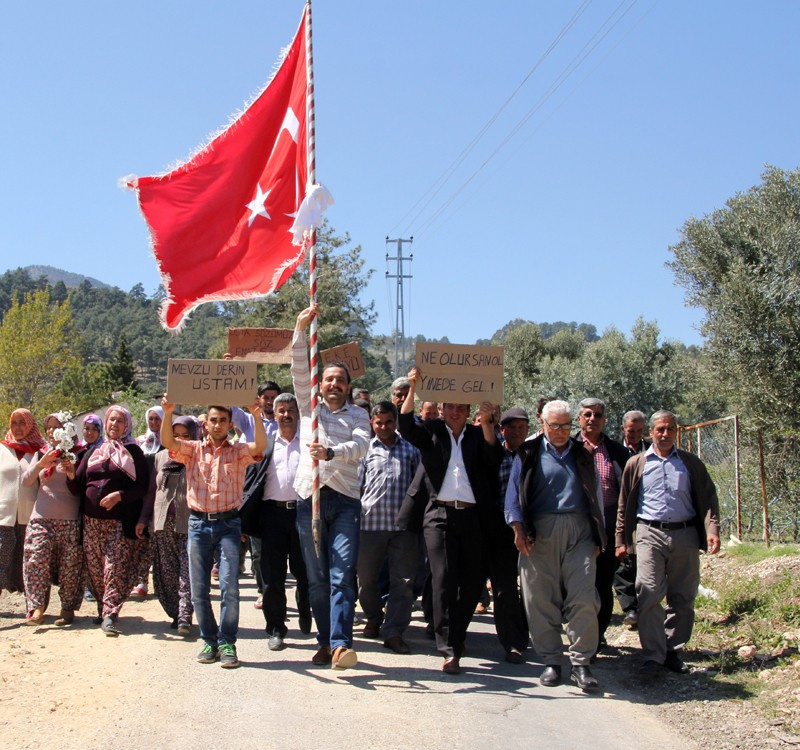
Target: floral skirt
109, 563
53, 553
171, 572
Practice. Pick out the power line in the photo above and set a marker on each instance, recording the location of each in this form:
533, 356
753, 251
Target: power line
586, 50
440, 182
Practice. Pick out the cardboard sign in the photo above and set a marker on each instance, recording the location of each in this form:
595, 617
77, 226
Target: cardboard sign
271, 346
459, 373
348, 354
212, 381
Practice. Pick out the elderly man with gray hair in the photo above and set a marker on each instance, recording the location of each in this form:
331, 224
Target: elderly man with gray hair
668, 509
400, 388
552, 503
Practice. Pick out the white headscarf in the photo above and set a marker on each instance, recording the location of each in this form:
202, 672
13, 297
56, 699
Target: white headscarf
150, 442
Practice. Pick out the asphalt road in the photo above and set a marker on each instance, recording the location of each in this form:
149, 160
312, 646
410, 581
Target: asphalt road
77, 688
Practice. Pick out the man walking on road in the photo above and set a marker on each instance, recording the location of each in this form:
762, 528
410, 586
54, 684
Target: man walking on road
668, 512
458, 485
344, 435
557, 517
215, 470
389, 467
270, 484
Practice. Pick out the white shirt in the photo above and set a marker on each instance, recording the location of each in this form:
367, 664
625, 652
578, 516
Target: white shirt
282, 470
456, 484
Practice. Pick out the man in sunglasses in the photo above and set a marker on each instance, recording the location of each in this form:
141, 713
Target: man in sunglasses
610, 458
553, 506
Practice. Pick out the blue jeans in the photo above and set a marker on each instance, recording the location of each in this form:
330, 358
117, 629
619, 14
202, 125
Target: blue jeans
204, 538
332, 575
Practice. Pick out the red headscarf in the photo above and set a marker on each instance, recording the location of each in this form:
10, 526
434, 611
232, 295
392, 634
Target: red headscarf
32, 441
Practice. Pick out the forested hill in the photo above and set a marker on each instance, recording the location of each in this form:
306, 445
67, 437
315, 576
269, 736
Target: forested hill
54, 275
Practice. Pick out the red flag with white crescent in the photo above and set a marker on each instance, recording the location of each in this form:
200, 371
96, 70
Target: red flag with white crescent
222, 224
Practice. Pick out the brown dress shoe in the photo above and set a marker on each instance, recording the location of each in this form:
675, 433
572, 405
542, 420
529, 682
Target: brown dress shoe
322, 657
397, 644
451, 666
66, 617
343, 658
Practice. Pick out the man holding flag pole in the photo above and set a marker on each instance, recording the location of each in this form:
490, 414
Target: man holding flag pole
234, 221
330, 548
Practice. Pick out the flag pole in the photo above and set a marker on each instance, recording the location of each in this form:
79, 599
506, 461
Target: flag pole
312, 277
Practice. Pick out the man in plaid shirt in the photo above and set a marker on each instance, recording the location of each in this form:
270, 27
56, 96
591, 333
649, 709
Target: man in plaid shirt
610, 458
389, 467
215, 469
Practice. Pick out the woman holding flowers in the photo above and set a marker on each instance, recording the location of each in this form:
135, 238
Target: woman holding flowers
53, 540
17, 450
111, 479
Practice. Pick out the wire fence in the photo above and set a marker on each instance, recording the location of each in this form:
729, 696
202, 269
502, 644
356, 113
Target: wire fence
757, 478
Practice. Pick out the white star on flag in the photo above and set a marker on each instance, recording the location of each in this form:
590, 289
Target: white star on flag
257, 206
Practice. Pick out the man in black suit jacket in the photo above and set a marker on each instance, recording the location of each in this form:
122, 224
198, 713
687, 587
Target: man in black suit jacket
269, 510
633, 424
460, 464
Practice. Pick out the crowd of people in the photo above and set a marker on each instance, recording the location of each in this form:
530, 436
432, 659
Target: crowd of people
436, 504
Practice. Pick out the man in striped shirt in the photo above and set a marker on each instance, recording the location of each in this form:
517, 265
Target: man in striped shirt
215, 469
389, 467
344, 435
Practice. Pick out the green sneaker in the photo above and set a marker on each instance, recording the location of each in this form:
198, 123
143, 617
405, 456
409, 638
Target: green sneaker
227, 656
208, 655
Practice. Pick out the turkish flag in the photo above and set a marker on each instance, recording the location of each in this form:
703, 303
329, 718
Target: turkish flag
221, 224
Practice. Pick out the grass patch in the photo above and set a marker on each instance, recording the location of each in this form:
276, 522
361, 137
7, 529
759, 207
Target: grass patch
751, 554
755, 607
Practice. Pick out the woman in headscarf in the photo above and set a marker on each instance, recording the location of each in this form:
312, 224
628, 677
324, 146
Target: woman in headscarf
150, 443
53, 549
92, 432
166, 506
112, 479
17, 451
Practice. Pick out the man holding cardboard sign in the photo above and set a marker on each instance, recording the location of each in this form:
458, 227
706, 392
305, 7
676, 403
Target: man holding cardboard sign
215, 470
461, 463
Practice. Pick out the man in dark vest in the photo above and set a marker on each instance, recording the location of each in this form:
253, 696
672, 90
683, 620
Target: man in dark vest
557, 517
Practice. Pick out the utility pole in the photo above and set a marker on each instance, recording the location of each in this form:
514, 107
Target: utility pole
399, 326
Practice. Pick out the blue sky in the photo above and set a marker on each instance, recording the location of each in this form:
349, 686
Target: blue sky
678, 107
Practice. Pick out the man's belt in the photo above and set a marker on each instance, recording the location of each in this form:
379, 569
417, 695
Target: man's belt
666, 525
223, 516
288, 505
456, 504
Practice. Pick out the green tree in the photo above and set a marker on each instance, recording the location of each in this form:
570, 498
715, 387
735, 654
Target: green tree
38, 346
344, 316
122, 371
741, 264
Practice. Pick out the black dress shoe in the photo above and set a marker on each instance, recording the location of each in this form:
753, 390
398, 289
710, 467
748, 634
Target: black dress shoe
651, 669
514, 656
674, 663
582, 677
551, 675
